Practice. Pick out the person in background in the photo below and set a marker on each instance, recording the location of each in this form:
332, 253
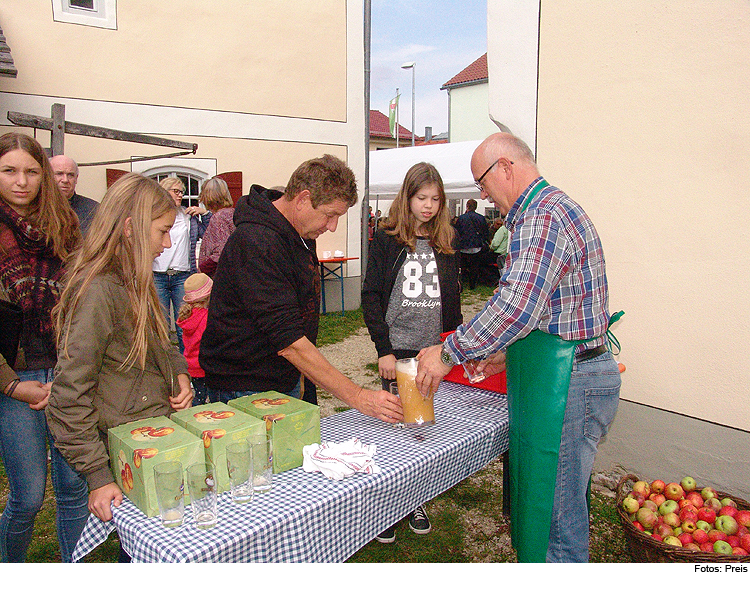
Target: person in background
410, 294
192, 320
38, 232
550, 315
216, 198
115, 362
499, 244
177, 263
263, 318
473, 235
66, 177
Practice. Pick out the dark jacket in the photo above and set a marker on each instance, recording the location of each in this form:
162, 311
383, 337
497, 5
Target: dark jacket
383, 263
473, 231
265, 296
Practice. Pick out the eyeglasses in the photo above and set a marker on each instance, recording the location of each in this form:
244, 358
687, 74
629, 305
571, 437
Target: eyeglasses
178, 191
478, 182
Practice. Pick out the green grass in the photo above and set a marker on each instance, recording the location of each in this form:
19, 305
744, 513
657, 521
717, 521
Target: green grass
467, 521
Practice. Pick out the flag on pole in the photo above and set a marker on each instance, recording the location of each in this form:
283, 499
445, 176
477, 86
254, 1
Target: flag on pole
393, 115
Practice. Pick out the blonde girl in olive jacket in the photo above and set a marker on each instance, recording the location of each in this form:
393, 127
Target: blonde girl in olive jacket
115, 361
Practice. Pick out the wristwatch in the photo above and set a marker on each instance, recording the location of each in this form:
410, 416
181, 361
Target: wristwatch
445, 357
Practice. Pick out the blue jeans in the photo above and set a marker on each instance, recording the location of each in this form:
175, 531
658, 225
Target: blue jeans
226, 395
171, 289
592, 403
23, 438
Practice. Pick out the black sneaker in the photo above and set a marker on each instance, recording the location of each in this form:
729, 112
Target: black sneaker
419, 522
388, 536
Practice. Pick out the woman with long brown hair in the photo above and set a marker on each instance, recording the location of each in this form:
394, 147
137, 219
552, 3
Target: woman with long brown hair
410, 294
38, 232
116, 363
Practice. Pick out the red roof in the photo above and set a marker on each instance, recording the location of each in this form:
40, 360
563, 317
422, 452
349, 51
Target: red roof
380, 127
476, 72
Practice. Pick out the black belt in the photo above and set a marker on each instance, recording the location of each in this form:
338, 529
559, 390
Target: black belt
591, 353
170, 272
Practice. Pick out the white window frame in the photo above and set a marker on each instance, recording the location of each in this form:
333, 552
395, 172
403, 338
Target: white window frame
103, 16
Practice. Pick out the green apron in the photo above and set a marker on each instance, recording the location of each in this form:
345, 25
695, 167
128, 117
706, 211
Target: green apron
538, 370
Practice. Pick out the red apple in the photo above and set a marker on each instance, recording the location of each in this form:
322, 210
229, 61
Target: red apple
745, 542
742, 530
733, 541
685, 538
700, 536
695, 498
721, 547
707, 515
646, 517
657, 537
729, 510
707, 547
657, 498
692, 546
657, 486
642, 487
688, 525
713, 503
739, 552
726, 524
688, 483
663, 530
673, 491
689, 512
649, 504
743, 517
708, 492
637, 525
715, 535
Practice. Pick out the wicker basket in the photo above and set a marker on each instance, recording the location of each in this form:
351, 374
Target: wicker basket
644, 548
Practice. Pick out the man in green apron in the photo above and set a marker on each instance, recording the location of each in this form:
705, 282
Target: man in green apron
547, 322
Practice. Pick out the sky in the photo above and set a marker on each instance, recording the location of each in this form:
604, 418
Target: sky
442, 37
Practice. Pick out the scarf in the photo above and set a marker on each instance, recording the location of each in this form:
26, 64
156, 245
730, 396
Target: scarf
31, 275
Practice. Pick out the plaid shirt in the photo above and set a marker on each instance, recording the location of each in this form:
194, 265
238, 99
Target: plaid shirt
554, 280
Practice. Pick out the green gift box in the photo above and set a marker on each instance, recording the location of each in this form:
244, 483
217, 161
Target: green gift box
218, 425
292, 422
135, 448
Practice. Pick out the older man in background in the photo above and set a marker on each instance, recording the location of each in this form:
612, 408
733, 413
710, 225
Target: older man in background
66, 177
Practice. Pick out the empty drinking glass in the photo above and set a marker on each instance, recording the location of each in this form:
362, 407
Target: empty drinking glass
203, 494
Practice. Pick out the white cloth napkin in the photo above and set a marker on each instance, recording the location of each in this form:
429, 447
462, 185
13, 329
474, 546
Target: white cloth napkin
339, 460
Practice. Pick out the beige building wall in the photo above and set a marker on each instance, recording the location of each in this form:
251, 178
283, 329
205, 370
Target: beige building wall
259, 86
644, 118
469, 113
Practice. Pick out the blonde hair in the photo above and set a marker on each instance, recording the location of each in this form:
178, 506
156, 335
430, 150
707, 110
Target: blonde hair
123, 248
50, 212
186, 309
215, 194
402, 224
171, 182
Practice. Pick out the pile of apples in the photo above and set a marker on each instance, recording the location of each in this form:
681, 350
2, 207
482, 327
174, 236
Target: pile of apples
681, 515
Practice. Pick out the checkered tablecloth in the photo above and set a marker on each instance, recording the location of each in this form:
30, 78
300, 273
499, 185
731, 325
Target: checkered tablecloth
309, 518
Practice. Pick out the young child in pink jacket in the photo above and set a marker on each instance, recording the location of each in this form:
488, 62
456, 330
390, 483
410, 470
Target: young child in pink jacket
192, 320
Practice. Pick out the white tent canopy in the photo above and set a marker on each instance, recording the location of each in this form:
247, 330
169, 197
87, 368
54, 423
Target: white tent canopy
453, 162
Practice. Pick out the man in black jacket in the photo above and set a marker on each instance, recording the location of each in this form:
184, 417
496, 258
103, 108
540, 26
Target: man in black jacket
263, 316
473, 235
66, 177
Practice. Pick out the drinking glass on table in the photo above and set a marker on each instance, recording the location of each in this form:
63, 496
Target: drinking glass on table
418, 409
170, 492
240, 468
203, 494
262, 446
